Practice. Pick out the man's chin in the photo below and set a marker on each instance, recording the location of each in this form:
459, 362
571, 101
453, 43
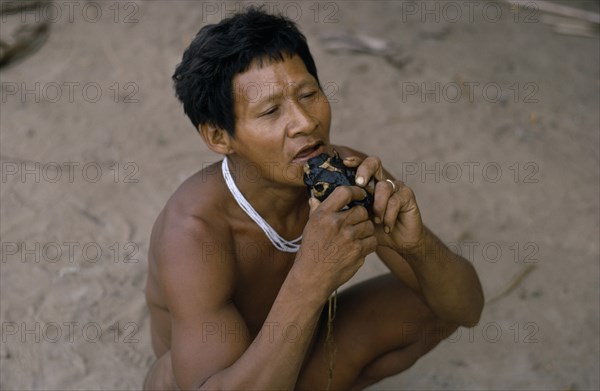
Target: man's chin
294, 173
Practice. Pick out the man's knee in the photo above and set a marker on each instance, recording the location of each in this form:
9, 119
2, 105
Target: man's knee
160, 376
436, 332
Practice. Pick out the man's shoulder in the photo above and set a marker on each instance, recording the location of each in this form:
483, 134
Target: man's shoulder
199, 198
193, 214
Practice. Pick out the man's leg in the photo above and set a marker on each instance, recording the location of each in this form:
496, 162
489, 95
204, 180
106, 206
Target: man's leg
381, 328
160, 376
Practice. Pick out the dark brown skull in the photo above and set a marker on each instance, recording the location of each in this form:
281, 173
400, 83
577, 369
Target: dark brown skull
323, 173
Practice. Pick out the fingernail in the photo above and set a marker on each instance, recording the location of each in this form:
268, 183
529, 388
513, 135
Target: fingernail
386, 230
377, 220
360, 181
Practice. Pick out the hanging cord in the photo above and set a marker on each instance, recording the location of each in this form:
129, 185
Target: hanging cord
329, 341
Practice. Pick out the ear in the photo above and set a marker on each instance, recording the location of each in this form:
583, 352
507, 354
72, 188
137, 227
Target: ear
217, 139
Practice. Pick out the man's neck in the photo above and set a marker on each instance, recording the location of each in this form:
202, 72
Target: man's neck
284, 207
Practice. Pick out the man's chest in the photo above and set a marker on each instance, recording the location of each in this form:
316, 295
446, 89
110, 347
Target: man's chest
260, 271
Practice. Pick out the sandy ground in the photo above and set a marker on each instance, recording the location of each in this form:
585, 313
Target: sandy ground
507, 172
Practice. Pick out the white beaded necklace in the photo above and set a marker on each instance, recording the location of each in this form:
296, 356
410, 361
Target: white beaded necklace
280, 243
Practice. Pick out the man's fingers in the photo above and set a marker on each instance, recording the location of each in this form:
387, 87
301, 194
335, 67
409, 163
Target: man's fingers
369, 168
352, 161
368, 245
383, 192
313, 204
391, 213
399, 202
364, 230
356, 214
342, 196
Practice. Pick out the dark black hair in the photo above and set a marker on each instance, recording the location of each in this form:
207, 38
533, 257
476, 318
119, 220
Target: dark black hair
203, 79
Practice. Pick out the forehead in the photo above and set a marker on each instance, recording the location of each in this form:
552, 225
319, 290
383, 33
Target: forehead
270, 75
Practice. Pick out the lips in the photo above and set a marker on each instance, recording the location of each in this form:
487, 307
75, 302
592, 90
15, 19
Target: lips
308, 152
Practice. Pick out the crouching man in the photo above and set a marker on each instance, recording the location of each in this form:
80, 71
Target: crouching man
242, 261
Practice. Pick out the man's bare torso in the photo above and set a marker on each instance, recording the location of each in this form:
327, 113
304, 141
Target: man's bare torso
259, 269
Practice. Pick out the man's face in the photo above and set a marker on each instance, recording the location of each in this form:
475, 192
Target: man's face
282, 119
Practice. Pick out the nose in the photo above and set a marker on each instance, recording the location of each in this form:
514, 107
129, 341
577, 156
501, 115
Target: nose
301, 121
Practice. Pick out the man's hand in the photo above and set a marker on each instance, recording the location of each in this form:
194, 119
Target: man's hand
335, 241
447, 281
397, 219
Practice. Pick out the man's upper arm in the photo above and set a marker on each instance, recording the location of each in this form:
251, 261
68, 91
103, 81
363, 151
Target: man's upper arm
196, 273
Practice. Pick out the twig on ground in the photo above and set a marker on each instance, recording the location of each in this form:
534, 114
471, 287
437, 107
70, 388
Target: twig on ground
513, 285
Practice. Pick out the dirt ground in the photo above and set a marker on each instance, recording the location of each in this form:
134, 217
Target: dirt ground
493, 121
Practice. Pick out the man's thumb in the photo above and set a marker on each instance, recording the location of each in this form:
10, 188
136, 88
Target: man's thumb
314, 204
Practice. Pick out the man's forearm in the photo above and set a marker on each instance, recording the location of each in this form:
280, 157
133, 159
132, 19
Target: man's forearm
448, 281
274, 359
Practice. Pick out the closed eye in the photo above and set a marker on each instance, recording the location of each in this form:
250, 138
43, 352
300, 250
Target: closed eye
308, 94
270, 111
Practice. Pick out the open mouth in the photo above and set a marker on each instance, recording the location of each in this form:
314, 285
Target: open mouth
308, 152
